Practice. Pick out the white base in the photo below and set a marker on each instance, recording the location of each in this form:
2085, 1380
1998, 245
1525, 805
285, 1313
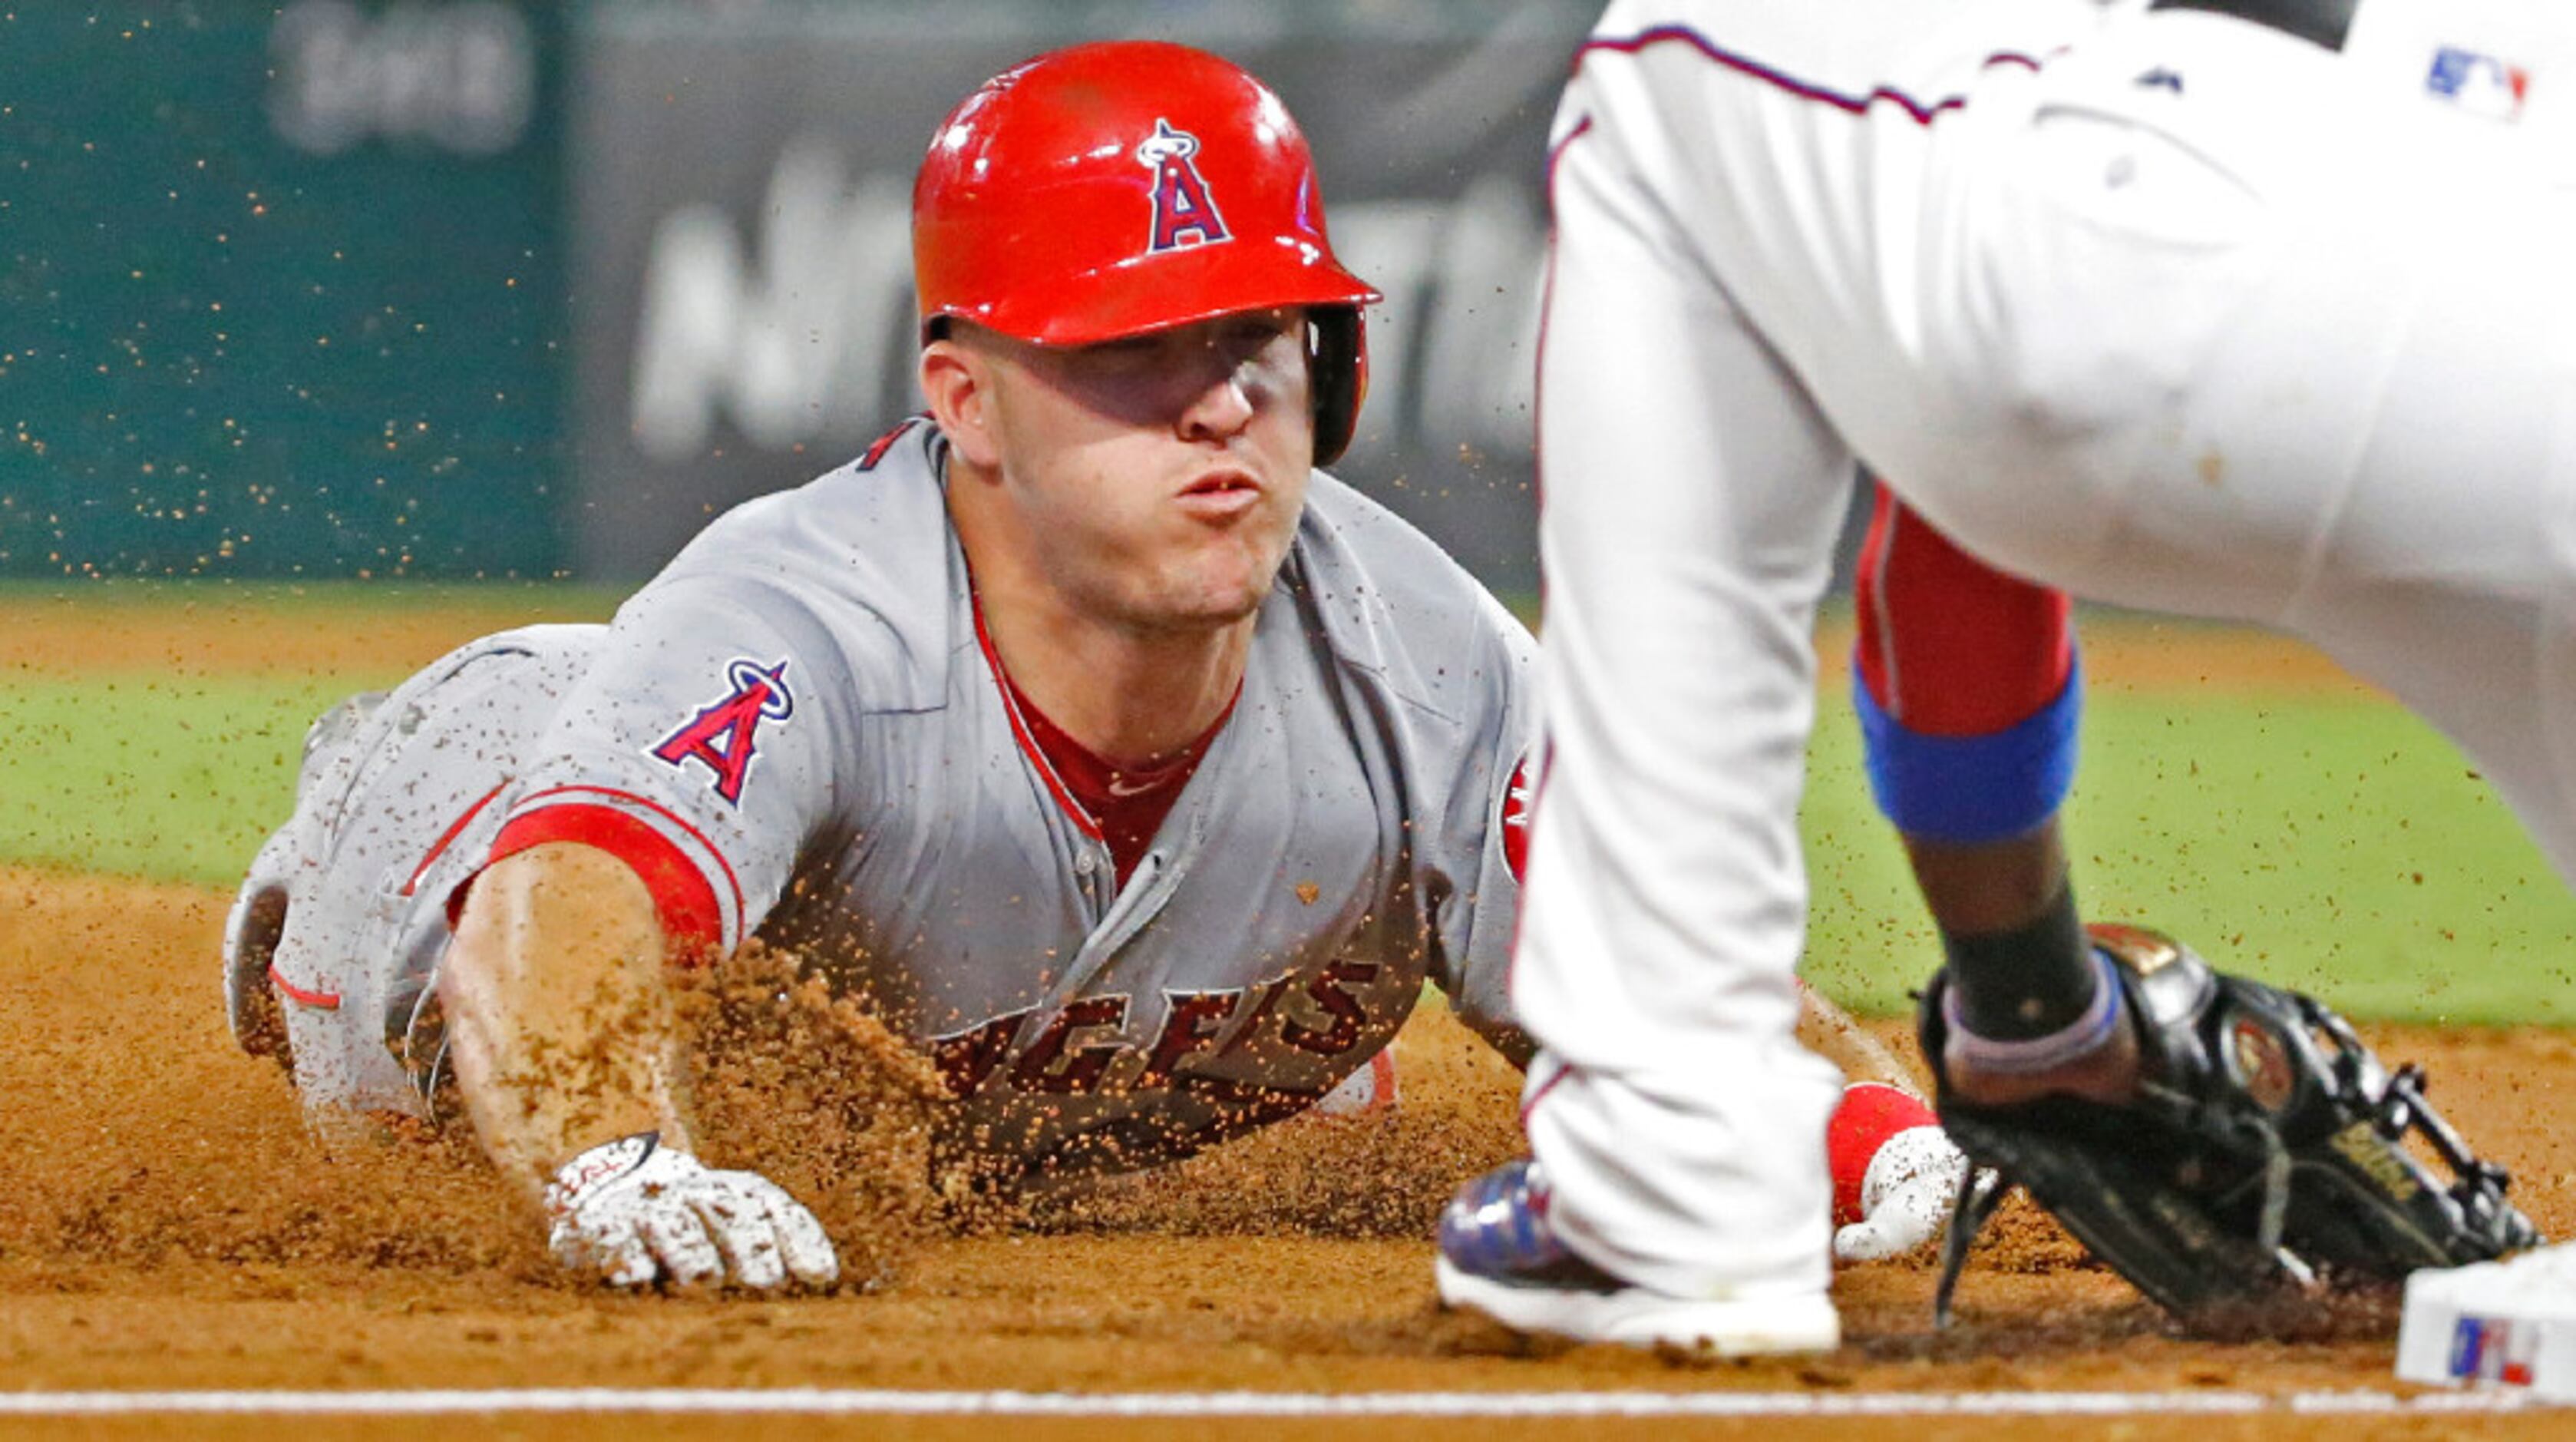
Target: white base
2509, 1324
1634, 1317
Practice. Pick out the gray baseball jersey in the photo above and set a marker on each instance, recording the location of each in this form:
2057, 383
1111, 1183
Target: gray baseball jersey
797, 732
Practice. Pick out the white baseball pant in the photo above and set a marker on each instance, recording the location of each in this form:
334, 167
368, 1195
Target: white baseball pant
2164, 308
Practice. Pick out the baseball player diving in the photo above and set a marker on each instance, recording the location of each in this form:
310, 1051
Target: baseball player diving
2254, 309
1136, 770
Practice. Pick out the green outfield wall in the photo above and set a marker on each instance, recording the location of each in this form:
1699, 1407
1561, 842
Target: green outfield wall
508, 288
521, 289
280, 288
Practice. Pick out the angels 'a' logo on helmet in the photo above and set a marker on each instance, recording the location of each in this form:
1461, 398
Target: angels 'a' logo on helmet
1184, 213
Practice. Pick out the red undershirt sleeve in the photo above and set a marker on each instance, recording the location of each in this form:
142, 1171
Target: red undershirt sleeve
682, 895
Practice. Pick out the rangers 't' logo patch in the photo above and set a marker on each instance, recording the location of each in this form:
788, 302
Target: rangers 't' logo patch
726, 734
1520, 796
1184, 213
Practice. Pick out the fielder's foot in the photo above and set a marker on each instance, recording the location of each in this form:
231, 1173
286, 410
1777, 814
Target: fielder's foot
1499, 1256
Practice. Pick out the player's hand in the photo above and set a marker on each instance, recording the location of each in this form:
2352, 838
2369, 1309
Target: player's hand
1906, 1197
636, 1211
1896, 1174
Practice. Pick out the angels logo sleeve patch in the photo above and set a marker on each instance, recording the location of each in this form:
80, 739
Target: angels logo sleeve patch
724, 736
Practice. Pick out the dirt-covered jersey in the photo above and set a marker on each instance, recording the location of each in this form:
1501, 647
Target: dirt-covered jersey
798, 732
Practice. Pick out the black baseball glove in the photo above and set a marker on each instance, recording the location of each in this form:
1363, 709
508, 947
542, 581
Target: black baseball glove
2262, 1163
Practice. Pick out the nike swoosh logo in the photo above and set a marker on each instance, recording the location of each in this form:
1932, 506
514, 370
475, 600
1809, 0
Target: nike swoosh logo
1120, 789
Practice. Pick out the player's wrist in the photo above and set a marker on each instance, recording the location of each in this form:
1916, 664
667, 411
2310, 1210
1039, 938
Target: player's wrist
586, 1173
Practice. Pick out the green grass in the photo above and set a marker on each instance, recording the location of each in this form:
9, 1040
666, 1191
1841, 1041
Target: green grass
2333, 844
137, 774
178, 776
322, 601
319, 605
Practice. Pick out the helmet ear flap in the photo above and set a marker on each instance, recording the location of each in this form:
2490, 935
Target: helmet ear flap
1337, 375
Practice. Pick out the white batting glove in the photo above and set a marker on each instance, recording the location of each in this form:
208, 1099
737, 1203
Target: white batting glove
1905, 1196
637, 1211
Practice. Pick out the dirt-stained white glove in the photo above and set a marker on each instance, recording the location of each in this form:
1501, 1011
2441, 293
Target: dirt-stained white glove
637, 1211
1895, 1172
1905, 1198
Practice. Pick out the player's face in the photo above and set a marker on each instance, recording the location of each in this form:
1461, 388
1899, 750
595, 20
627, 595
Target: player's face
1160, 477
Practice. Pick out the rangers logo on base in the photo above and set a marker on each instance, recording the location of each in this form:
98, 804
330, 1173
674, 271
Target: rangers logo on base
1184, 213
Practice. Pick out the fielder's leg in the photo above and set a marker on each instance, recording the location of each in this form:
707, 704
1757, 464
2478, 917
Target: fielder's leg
1968, 694
1692, 497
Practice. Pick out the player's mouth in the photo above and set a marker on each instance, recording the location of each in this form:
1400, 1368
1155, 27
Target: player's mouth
1221, 495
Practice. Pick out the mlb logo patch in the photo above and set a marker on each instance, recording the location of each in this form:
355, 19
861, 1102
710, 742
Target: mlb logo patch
2493, 1349
2480, 84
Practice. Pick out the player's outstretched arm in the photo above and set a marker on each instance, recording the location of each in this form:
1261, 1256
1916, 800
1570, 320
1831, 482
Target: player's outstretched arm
561, 1023
567, 1051
1894, 1172
1831, 1033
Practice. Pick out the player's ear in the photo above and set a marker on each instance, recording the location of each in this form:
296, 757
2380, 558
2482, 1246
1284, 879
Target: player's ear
957, 381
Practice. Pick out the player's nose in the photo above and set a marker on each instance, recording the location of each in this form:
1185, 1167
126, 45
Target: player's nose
1223, 405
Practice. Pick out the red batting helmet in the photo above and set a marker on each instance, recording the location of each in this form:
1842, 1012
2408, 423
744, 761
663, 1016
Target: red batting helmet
1112, 189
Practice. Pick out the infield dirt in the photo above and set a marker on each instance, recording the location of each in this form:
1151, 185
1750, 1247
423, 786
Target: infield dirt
166, 1222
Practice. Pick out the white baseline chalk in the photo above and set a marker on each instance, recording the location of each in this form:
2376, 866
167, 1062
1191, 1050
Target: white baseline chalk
819, 1401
